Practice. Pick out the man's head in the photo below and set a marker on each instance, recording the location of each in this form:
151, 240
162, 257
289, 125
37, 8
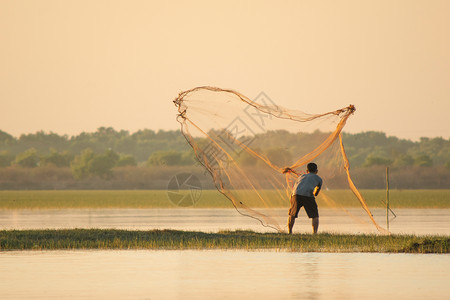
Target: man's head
312, 168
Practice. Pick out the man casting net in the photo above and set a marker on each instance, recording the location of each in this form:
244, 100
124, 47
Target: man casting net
255, 150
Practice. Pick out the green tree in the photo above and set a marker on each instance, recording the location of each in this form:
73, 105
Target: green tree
6, 137
145, 142
373, 160
423, 160
168, 158
5, 158
126, 160
82, 163
247, 159
42, 141
404, 160
88, 163
58, 159
279, 156
101, 165
188, 158
28, 158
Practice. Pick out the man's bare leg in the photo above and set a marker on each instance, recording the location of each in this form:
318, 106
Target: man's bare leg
315, 224
291, 222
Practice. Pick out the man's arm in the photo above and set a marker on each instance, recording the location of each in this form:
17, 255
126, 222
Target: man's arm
318, 187
289, 170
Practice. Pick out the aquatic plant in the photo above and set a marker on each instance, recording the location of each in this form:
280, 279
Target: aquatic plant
248, 240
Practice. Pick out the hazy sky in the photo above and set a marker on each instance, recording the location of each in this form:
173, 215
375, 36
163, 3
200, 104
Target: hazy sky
73, 66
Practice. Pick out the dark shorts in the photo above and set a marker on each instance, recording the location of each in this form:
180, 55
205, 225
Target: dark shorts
309, 203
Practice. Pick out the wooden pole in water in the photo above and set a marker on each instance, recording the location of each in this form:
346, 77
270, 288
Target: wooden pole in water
387, 198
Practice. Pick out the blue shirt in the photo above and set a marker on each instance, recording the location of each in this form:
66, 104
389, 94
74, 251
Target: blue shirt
305, 184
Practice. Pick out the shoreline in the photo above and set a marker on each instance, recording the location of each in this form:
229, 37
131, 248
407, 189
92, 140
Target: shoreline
62, 199
114, 239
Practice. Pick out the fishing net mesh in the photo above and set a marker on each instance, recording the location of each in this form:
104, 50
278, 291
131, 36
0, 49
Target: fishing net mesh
255, 149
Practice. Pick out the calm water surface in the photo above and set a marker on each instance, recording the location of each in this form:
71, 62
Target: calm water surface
215, 274
412, 221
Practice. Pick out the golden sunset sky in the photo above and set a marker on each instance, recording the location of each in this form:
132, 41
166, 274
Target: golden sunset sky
73, 66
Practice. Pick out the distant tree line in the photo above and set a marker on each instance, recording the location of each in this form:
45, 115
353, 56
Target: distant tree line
95, 153
99, 153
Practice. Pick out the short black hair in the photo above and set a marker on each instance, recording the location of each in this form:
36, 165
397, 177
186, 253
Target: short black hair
312, 167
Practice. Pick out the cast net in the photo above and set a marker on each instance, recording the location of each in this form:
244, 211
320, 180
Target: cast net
255, 149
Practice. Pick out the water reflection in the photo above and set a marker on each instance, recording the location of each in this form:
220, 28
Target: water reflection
222, 274
412, 221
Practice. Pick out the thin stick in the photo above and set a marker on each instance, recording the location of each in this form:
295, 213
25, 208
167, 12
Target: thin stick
387, 198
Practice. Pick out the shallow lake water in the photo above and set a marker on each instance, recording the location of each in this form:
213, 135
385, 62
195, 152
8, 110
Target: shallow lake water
410, 221
216, 274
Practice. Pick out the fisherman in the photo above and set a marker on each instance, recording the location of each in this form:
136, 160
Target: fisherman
305, 189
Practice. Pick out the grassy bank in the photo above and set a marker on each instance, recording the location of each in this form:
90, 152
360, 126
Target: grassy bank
208, 199
247, 240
